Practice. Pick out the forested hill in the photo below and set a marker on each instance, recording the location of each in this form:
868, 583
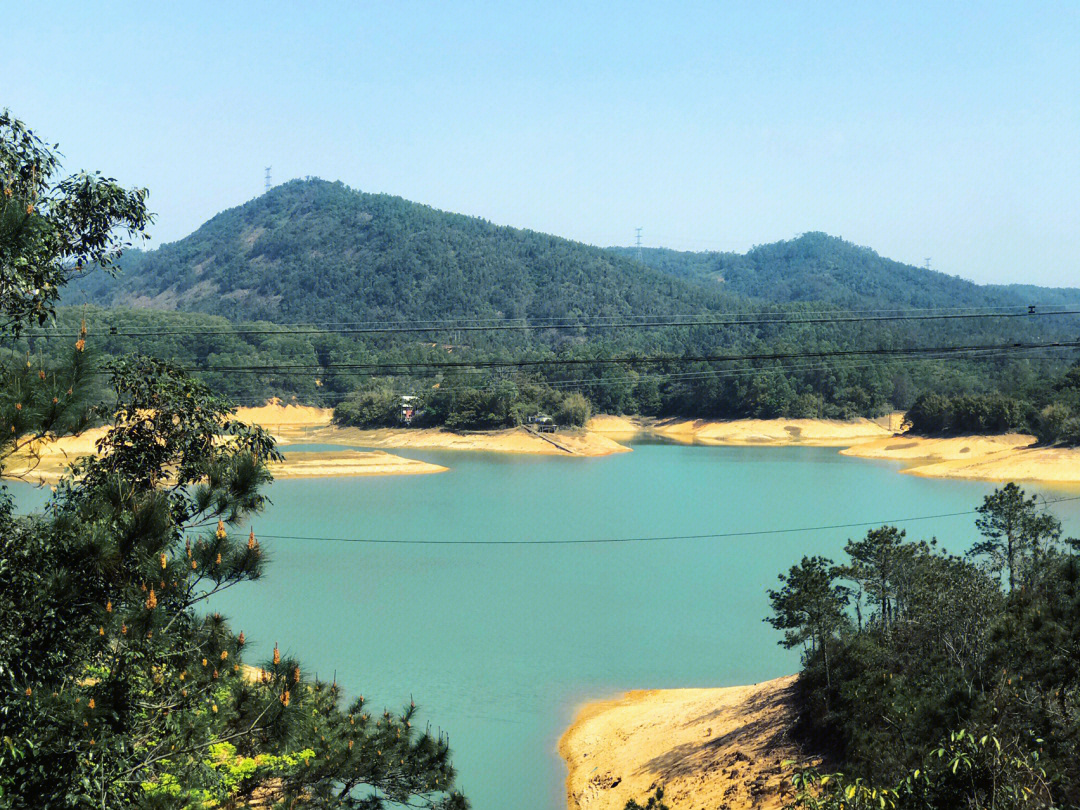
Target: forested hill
312, 250
823, 268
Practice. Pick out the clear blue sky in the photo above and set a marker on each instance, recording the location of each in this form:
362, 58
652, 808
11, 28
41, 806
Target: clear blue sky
942, 130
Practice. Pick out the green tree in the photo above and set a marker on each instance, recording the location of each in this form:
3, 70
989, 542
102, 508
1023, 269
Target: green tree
1015, 529
119, 687
977, 771
809, 608
873, 567
574, 411
54, 230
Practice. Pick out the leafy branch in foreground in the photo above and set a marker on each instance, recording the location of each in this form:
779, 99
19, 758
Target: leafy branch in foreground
119, 687
54, 230
966, 771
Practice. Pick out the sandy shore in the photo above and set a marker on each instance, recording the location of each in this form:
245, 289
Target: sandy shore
47, 462
1010, 457
512, 440
988, 458
708, 748
303, 424
349, 462
772, 432
298, 424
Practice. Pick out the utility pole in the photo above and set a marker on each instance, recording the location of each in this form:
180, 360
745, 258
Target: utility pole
268, 183
639, 244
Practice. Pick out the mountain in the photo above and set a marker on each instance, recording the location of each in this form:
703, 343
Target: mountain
816, 267
317, 252
312, 250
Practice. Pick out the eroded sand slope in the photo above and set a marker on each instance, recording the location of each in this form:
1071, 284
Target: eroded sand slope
709, 748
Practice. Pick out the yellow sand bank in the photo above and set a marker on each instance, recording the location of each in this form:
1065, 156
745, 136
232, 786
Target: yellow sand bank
513, 440
615, 425
1009, 457
706, 747
46, 462
299, 423
990, 458
51, 460
811, 432
349, 462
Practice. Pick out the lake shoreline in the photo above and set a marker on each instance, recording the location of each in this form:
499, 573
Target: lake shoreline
1010, 457
706, 747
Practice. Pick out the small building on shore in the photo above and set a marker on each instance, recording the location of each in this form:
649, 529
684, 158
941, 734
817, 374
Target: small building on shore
543, 423
408, 409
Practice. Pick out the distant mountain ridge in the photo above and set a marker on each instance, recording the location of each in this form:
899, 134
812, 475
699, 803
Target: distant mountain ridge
312, 250
816, 267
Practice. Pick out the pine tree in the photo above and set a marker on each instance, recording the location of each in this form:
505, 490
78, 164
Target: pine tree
119, 688
1016, 531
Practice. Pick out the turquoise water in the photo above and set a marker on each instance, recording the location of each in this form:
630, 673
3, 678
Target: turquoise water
499, 644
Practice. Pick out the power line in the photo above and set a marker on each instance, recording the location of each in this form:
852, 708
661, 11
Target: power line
407, 327
643, 539
456, 323
408, 365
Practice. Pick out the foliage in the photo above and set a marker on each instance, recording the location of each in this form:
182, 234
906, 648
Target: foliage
53, 230
810, 606
822, 268
933, 414
377, 407
966, 771
459, 405
1050, 411
1017, 534
119, 687
940, 643
654, 802
311, 251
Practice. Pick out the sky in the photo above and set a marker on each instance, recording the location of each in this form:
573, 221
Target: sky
940, 131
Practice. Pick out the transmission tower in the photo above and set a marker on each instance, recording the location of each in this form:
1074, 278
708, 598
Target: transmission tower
639, 244
268, 183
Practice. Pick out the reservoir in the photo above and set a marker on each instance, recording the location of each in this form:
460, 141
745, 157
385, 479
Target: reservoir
498, 640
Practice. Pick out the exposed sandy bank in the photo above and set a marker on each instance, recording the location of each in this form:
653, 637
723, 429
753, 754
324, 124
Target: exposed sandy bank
1009, 457
616, 425
349, 462
54, 458
709, 748
808, 432
299, 423
512, 440
291, 424
46, 462
275, 415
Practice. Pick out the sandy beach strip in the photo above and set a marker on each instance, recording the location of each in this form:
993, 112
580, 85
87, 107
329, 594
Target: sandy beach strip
511, 440
300, 464
50, 461
706, 747
772, 432
1009, 457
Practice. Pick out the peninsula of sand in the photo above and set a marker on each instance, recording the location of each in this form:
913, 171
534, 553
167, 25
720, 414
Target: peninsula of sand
724, 748
1006, 457
994, 458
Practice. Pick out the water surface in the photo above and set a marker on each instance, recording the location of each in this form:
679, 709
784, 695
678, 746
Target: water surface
499, 643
